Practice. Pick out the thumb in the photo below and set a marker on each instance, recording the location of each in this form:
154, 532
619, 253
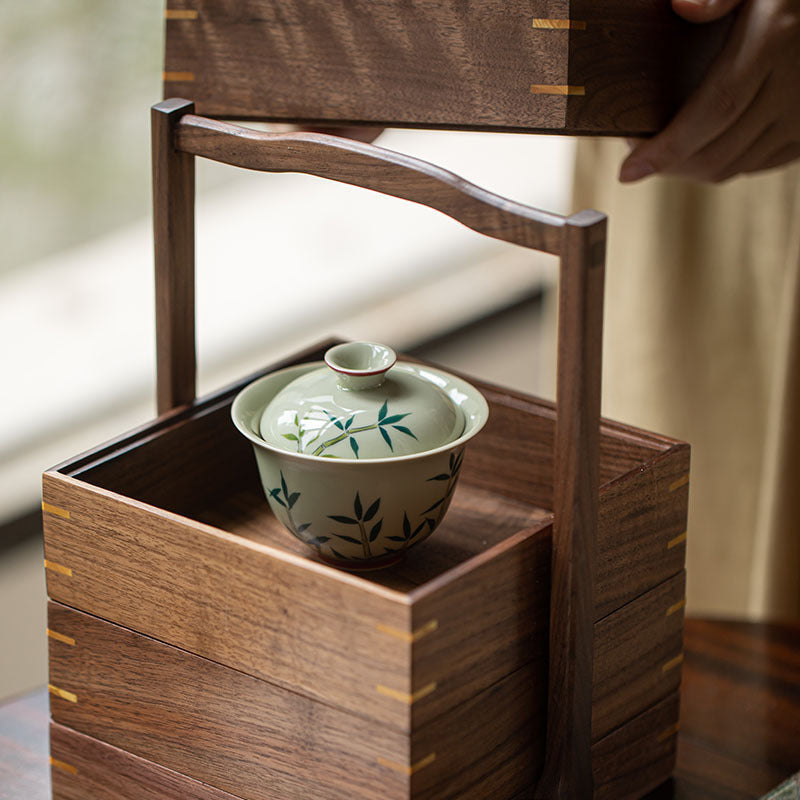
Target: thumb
703, 10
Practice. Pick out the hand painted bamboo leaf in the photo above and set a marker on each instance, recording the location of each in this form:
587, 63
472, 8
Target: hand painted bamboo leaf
301, 528
329, 455
394, 418
437, 503
396, 538
457, 466
419, 528
296, 421
442, 476
338, 554
293, 498
336, 422
274, 495
357, 507
376, 529
386, 438
431, 522
354, 445
347, 538
372, 510
403, 429
348, 423
283, 486
319, 540
452, 460
290, 436
382, 412
343, 520
406, 526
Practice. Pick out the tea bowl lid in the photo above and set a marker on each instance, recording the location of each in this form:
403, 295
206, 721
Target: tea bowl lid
362, 404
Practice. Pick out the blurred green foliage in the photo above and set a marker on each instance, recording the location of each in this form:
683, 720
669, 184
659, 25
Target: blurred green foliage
78, 78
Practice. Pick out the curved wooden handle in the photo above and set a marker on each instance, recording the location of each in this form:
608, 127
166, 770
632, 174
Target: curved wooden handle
371, 167
179, 135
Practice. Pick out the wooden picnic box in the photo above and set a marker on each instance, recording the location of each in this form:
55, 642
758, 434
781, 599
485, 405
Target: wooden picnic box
530, 648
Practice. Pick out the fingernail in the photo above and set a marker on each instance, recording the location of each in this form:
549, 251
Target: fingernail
635, 170
700, 3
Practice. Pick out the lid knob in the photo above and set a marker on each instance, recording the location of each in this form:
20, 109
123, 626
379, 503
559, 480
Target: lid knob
360, 365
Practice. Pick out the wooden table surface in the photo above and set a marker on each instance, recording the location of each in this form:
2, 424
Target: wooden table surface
740, 718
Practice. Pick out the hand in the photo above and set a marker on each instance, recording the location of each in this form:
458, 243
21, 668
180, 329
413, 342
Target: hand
745, 116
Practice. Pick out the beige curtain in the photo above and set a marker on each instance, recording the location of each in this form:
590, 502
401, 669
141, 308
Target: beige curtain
702, 342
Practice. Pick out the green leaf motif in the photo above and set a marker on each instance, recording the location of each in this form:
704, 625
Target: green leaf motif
301, 528
283, 486
435, 505
384, 409
347, 538
293, 497
319, 540
394, 418
386, 438
338, 555
372, 510
354, 445
376, 529
403, 429
396, 538
343, 520
274, 495
348, 423
290, 436
357, 506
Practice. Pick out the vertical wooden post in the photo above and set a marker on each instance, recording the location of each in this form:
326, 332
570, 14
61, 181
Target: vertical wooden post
173, 233
568, 764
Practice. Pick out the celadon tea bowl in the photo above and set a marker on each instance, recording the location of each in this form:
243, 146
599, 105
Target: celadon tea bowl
359, 455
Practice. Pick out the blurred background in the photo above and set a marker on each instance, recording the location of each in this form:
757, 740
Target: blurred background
282, 261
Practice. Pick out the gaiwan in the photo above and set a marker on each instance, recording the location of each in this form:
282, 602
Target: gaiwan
359, 456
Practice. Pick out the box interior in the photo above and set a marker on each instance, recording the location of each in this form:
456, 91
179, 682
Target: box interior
196, 464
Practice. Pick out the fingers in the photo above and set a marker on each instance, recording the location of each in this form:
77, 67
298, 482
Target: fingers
703, 10
714, 161
729, 88
769, 152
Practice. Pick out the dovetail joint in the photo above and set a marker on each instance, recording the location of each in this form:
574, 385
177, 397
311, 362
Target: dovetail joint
413, 636
178, 77
408, 770
62, 765
558, 89
682, 481
60, 637
671, 731
53, 567
559, 24
403, 697
676, 541
51, 509
672, 663
181, 13
676, 607
62, 693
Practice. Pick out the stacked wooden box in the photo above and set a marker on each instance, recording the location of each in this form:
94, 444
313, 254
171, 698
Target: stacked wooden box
197, 650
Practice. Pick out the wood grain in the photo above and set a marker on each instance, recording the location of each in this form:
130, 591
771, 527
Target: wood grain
638, 756
173, 235
216, 725
257, 741
636, 652
266, 612
375, 168
567, 771
437, 64
104, 772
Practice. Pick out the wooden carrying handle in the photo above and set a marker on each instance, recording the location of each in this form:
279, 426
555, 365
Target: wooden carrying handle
579, 240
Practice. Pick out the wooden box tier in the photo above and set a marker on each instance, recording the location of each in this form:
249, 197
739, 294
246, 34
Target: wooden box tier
192, 635
568, 66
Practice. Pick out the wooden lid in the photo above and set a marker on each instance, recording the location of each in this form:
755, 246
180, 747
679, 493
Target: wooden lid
585, 66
